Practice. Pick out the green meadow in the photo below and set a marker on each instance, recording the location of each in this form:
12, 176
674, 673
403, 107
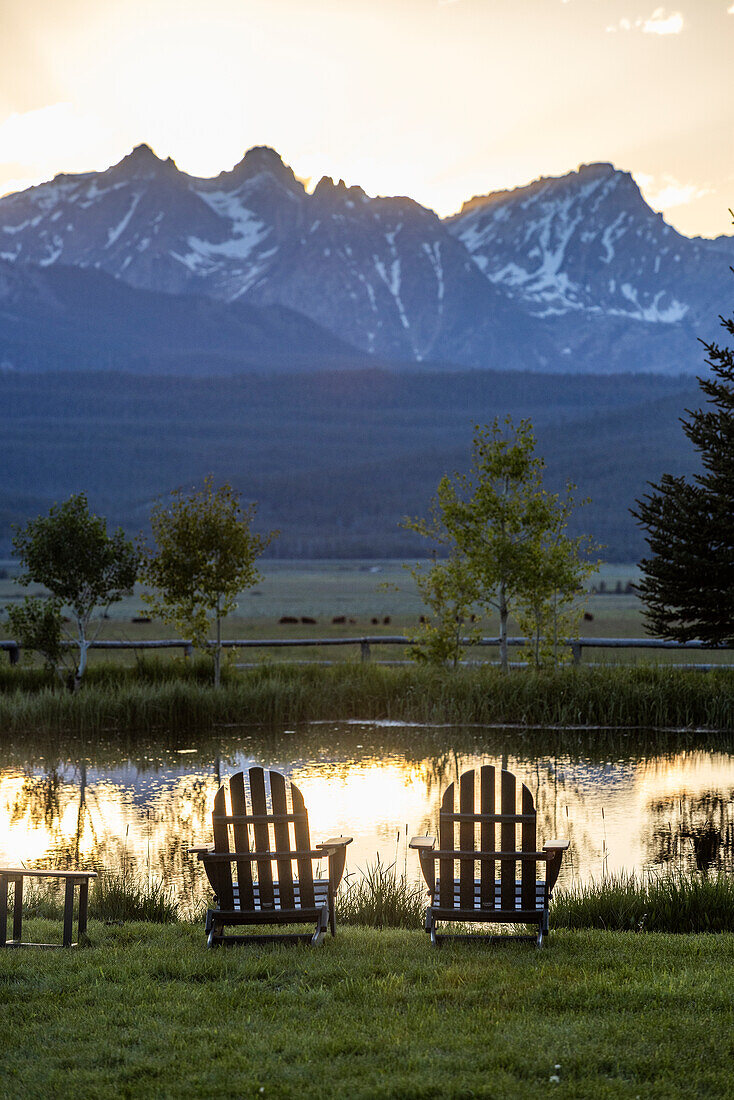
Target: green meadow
146, 1010
369, 598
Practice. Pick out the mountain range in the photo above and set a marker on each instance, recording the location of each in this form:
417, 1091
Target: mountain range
143, 267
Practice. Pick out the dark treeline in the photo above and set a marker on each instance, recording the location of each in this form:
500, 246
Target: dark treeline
334, 459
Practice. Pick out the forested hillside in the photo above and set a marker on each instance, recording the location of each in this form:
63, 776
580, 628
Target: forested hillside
336, 459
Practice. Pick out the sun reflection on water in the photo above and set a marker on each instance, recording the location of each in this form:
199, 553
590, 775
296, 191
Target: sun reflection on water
618, 814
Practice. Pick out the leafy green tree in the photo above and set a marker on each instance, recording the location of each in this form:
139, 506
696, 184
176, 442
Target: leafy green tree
550, 605
504, 528
37, 625
85, 569
448, 591
204, 556
688, 580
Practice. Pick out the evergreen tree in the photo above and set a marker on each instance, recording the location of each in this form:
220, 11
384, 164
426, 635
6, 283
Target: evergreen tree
688, 582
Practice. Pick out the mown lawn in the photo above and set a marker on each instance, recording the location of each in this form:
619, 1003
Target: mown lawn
148, 1011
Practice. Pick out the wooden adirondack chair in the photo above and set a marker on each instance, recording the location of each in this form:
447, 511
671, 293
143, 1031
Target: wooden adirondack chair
239, 864
488, 899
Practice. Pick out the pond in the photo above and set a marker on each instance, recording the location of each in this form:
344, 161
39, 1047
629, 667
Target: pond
627, 801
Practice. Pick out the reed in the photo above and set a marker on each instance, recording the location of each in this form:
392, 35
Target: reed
125, 897
653, 903
114, 898
378, 898
274, 694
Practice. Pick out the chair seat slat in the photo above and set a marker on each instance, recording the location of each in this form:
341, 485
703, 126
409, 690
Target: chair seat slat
455, 853
487, 817
260, 819
255, 856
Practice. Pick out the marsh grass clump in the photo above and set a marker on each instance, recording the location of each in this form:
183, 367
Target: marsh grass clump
125, 897
675, 902
378, 898
42, 899
177, 695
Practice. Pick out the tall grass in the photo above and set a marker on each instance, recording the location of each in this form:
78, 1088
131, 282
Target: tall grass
114, 898
378, 898
125, 897
654, 903
174, 695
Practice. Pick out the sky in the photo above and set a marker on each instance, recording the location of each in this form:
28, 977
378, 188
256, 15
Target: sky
437, 99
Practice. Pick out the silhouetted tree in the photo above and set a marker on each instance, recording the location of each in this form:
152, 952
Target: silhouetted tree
688, 581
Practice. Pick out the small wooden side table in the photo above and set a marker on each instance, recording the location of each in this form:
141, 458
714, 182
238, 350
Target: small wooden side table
71, 879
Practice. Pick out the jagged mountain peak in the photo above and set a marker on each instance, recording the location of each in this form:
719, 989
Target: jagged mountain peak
586, 242
587, 177
261, 160
327, 190
142, 163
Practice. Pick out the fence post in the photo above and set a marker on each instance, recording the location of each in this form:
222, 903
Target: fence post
365, 648
14, 654
188, 650
576, 652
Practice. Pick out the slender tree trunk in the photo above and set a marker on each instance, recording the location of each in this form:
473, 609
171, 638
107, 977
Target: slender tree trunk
218, 650
82, 663
503, 627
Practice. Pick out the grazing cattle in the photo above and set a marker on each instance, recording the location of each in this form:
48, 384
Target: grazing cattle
422, 619
588, 617
308, 620
339, 619
387, 620
140, 619
352, 621
374, 621
287, 619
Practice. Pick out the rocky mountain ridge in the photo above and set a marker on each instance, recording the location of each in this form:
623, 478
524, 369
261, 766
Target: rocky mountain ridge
574, 273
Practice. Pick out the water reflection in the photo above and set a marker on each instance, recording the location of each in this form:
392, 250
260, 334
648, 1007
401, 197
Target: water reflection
137, 806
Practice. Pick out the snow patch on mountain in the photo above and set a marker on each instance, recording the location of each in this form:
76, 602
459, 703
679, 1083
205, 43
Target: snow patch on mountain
116, 232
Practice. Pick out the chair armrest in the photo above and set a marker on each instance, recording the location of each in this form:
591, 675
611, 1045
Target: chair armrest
335, 842
422, 842
199, 850
554, 852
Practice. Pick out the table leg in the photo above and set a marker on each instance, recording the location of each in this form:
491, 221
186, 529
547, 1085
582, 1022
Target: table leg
68, 912
18, 910
3, 910
83, 900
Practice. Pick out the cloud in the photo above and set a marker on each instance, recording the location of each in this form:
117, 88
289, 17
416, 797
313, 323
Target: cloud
660, 23
39, 137
665, 192
657, 23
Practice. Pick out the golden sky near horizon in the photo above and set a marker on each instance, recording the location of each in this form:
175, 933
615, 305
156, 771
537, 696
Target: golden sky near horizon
437, 99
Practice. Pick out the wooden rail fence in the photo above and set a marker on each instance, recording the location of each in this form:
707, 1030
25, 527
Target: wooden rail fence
576, 645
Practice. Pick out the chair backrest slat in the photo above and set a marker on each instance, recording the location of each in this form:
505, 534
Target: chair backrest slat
508, 840
487, 837
241, 839
446, 842
303, 844
466, 840
220, 874
529, 843
282, 838
478, 817
262, 837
